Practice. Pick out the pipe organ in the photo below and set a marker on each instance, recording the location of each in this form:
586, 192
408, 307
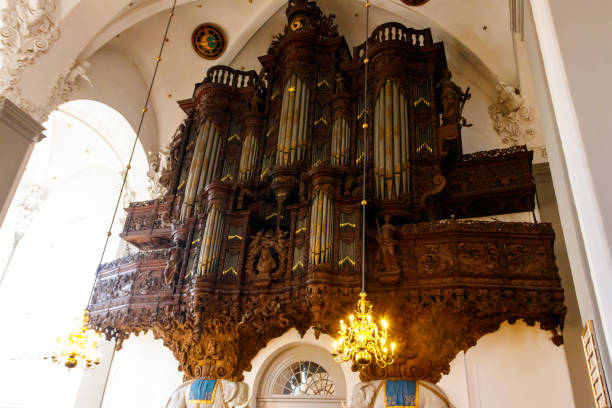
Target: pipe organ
340, 143
211, 241
321, 228
248, 157
391, 143
203, 165
293, 123
260, 229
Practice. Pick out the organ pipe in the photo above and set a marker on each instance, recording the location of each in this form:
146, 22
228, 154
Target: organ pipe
203, 165
321, 229
211, 241
341, 136
248, 157
391, 143
292, 130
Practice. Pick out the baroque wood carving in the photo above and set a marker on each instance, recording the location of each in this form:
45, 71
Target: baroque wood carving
259, 229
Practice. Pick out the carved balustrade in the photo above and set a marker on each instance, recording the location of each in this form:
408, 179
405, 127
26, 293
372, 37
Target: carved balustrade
456, 281
145, 227
490, 182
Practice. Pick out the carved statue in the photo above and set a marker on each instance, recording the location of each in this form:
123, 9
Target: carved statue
348, 185
387, 243
453, 99
255, 101
173, 164
76, 70
266, 264
340, 83
174, 264
155, 188
261, 263
234, 395
371, 395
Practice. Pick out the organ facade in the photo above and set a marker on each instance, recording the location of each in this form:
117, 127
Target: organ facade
259, 231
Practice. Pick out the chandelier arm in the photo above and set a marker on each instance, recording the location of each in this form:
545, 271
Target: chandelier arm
136, 139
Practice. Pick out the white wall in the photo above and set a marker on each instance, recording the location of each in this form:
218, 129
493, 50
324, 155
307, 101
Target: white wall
517, 366
143, 375
573, 40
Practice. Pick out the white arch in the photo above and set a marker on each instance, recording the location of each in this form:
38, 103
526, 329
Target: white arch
80, 40
281, 349
53, 268
294, 352
116, 134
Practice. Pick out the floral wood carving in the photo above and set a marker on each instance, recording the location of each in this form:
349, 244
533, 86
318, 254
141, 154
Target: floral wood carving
215, 334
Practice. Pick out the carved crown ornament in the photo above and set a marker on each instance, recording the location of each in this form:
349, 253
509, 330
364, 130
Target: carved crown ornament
259, 229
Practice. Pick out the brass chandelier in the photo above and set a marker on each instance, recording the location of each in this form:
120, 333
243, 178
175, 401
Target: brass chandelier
362, 341
79, 348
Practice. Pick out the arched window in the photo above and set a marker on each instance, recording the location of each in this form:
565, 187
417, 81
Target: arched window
300, 375
304, 378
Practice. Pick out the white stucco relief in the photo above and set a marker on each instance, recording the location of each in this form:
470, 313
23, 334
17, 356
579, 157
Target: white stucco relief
28, 208
28, 29
514, 120
156, 159
65, 85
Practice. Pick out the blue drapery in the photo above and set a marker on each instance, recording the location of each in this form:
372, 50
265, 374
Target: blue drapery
202, 392
401, 394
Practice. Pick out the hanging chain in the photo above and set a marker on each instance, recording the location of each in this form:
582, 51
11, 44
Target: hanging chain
136, 139
365, 148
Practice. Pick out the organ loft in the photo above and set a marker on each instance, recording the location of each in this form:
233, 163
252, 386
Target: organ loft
259, 231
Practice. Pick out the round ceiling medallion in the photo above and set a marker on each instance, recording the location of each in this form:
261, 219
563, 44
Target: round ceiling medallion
414, 2
208, 41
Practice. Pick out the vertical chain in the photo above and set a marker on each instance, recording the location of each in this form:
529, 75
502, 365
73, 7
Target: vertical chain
365, 147
136, 139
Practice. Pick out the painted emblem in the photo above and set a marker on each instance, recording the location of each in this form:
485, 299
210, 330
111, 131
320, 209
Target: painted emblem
298, 23
208, 41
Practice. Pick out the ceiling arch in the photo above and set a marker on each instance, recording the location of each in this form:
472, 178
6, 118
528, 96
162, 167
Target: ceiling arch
140, 31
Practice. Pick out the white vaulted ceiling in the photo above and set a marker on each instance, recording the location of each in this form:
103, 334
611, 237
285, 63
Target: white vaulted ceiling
92, 30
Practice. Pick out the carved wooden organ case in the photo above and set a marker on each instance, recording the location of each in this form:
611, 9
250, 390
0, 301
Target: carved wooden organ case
260, 229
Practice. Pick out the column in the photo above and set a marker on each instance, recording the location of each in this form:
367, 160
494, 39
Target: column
18, 134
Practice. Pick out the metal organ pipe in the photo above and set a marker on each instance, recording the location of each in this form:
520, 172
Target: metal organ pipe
211, 241
292, 129
211, 158
321, 228
248, 157
391, 143
340, 142
203, 165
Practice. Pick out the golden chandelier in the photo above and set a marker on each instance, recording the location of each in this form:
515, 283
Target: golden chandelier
362, 341
79, 348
